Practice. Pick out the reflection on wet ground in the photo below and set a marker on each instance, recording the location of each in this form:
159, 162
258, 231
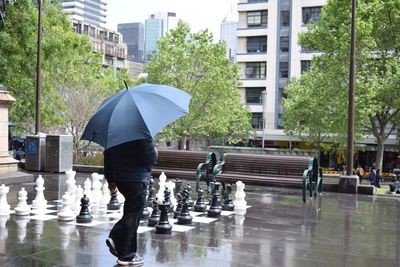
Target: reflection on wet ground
278, 230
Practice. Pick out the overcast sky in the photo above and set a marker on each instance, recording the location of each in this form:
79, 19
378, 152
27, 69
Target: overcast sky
200, 14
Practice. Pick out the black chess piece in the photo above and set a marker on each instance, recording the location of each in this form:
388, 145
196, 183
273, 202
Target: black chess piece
167, 199
215, 208
228, 201
178, 208
200, 206
145, 213
113, 204
163, 226
155, 214
185, 217
84, 215
190, 200
178, 185
150, 196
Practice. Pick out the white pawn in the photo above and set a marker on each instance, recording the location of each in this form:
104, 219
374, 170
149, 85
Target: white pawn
39, 203
239, 202
4, 207
87, 189
162, 184
96, 192
66, 213
105, 198
78, 196
171, 187
22, 208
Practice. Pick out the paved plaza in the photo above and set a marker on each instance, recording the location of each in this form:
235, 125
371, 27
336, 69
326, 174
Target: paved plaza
277, 230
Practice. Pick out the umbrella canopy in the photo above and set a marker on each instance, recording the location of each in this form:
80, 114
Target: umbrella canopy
136, 113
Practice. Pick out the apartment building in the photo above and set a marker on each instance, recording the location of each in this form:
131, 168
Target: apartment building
268, 56
133, 36
92, 12
228, 34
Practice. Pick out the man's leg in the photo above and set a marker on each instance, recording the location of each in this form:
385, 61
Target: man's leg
124, 232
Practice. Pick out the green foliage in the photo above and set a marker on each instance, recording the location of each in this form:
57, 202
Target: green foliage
94, 160
377, 62
192, 62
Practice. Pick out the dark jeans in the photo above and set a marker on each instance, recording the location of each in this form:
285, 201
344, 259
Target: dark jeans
124, 232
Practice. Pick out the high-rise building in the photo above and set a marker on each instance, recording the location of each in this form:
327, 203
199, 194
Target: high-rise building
156, 26
229, 36
92, 12
133, 36
268, 55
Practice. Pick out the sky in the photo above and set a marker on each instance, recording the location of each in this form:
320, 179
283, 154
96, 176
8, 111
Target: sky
200, 14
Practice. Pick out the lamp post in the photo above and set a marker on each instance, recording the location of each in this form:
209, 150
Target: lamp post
352, 85
38, 68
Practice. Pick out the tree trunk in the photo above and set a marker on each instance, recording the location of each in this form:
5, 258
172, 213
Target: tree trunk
187, 143
181, 144
379, 151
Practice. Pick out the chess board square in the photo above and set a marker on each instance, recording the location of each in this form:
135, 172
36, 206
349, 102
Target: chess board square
226, 213
181, 228
114, 215
46, 211
43, 217
196, 213
203, 219
93, 223
143, 229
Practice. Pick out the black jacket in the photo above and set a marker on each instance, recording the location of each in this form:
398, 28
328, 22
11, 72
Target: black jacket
130, 162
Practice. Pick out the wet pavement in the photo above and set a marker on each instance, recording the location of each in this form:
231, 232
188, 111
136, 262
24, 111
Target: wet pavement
277, 230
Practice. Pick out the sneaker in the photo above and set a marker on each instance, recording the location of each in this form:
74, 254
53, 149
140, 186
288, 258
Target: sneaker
135, 261
111, 246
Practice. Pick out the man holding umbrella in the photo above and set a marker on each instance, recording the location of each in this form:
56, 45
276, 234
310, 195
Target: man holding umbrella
124, 125
128, 168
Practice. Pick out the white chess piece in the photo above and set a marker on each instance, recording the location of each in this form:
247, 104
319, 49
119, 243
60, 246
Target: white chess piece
78, 196
39, 203
22, 208
96, 192
87, 189
239, 202
105, 199
162, 184
71, 183
4, 206
171, 187
21, 222
66, 212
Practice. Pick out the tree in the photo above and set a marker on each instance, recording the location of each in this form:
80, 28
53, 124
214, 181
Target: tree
378, 65
192, 62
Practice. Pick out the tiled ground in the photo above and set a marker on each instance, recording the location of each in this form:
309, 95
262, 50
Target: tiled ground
278, 230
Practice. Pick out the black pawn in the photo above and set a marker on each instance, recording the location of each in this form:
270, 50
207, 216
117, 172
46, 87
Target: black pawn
84, 215
185, 217
178, 185
155, 214
150, 197
167, 199
215, 208
228, 201
200, 206
113, 204
188, 188
178, 206
163, 226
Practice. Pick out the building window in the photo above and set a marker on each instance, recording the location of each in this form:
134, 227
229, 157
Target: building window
257, 120
305, 65
256, 1
280, 122
284, 44
257, 44
284, 69
311, 14
254, 95
285, 18
256, 70
257, 19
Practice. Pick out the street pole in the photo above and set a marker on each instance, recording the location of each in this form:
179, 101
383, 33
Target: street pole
38, 67
263, 94
352, 85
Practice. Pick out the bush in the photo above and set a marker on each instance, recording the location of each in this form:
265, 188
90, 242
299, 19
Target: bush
95, 159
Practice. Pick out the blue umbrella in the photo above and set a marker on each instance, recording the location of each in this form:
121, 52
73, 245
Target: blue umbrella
136, 113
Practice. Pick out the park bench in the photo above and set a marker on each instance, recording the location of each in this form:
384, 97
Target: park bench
261, 169
184, 164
